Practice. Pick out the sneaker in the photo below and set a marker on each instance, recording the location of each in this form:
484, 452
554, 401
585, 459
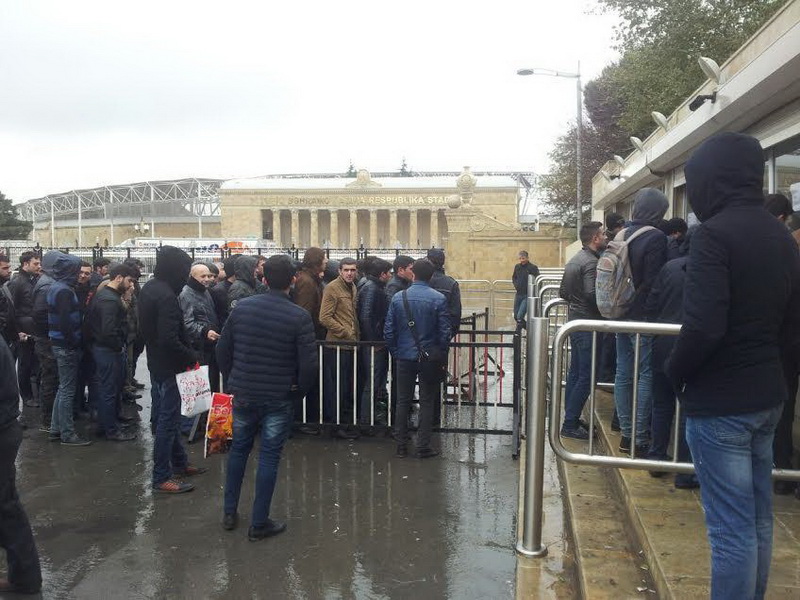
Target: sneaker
344, 433
229, 522
190, 471
402, 451
120, 436
426, 453
271, 528
308, 430
171, 486
75, 440
641, 450
44, 428
575, 433
625, 445
53, 437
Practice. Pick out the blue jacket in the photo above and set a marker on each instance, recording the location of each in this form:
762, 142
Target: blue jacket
431, 317
64, 316
267, 352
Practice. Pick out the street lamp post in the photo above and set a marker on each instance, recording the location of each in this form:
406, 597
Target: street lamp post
579, 132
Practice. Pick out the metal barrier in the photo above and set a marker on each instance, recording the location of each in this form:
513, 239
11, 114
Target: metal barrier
530, 543
480, 394
476, 294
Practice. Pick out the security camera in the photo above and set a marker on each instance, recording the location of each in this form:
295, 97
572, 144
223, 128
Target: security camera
701, 99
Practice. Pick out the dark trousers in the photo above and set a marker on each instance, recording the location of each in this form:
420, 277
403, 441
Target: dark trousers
109, 380
375, 369
607, 361
274, 421
429, 388
168, 453
343, 414
664, 403
48, 383
783, 446
16, 536
26, 370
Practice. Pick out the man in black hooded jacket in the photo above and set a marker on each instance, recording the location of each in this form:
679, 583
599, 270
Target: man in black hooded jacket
245, 284
741, 305
169, 352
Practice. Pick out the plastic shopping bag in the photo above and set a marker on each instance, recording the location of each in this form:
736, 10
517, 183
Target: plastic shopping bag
195, 391
219, 430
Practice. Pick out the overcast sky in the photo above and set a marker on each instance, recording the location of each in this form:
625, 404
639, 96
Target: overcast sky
99, 93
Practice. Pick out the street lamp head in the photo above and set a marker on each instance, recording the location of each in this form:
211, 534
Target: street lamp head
525, 72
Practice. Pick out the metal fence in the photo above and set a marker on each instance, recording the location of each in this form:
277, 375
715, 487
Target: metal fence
539, 366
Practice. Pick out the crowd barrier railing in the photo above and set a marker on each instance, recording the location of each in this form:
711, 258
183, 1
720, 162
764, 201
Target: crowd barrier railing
530, 537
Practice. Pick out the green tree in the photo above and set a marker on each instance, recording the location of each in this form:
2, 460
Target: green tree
660, 42
11, 226
404, 170
351, 170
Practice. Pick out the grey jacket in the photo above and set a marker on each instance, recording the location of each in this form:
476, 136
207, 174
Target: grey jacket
199, 315
578, 285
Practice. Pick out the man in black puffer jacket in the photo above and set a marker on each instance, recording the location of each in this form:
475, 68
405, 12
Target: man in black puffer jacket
741, 305
168, 352
372, 305
245, 284
268, 356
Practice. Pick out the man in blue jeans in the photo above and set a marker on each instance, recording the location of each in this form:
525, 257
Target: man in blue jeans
578, 289
268, 356
741, 308
64, 330
108, 328
168, 353
647, 253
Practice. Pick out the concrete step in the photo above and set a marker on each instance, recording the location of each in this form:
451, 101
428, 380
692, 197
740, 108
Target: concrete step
668, 525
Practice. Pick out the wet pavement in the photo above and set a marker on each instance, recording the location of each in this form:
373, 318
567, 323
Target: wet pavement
361, 524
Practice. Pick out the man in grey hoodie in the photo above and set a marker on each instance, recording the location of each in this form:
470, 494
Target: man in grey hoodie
646, 254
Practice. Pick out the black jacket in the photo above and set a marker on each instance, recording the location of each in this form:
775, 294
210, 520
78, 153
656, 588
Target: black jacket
578, 285
742, 294
8, 317
665, 305
107, 320
9, 392
372, 306
448, 286
520, 277
647, 254
219, 294
160, 317
396, 284
21, 288
267, 351
245, 284
199, 317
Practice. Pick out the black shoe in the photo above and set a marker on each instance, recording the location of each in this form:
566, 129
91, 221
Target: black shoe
657, 474
54, 437
308, 430
31, 403
625, 445
229, 522
75, 440
271, 528
127, 396
344, 433
138, 385
426, 453
120, 436
641, 450
577, 433
129, 418
784, 488
402, 451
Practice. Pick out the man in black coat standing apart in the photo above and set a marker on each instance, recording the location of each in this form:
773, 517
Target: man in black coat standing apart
741, 301
169, 352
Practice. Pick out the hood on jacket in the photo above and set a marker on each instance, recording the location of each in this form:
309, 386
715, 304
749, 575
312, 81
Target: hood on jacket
172, 266
245, 269
66, 268
727, 169
686, 242
48, 260
649, 206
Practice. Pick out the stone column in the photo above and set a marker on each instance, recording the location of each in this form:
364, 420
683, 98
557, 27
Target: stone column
294, 239
392, 228
435, 227
276, 227
334, 228
412, 228
353, 228
314, 237
373, 228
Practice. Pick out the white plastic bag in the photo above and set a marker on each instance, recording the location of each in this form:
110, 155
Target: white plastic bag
195, 391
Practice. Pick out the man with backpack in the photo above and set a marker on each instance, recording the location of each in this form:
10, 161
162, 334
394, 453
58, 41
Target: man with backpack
625, 275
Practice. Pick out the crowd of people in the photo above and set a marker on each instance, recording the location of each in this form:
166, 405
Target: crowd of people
73, 333
734, 366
